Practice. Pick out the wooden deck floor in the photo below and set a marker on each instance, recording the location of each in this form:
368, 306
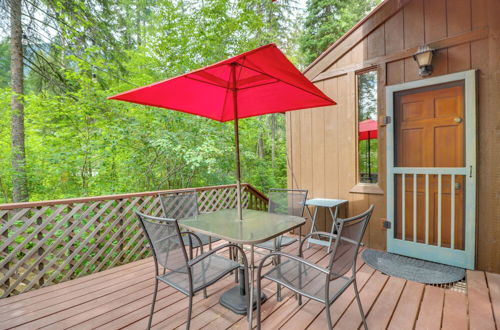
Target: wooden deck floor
121, 298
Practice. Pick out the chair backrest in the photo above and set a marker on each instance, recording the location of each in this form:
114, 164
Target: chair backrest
165, 239
179, 205
349, 235
287, 201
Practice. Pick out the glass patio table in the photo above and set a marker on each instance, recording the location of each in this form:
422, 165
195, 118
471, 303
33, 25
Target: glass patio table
256, 227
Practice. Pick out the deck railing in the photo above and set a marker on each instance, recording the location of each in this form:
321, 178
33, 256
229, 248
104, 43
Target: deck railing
48, 242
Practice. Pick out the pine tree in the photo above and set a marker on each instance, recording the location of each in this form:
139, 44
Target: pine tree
328, 20
19, 179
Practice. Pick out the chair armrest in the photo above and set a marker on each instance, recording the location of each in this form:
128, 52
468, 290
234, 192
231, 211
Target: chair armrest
324, 233
320, 233
209, 253
290, 256
196, 237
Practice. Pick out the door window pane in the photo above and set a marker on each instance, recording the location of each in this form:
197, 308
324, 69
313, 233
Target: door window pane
367, 127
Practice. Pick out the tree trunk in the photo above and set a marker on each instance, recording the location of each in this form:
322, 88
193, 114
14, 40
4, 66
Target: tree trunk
19, 180
260, 146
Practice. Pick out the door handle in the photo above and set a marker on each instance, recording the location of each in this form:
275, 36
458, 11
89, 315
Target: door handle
458, 186
457, 120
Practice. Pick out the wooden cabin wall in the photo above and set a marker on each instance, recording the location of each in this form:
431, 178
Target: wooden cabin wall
322, 144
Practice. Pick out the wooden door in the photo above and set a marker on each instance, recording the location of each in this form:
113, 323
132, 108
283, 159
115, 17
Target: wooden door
429, 132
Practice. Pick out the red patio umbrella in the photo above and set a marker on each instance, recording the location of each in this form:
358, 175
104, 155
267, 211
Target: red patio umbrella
258, 82
367, 130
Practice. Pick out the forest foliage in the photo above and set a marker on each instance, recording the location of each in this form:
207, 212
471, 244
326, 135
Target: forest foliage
78, 52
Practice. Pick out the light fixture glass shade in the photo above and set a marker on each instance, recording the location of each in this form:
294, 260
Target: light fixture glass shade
423, 57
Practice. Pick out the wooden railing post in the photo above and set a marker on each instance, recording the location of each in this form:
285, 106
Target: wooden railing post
70, 235
5, 253
121, 236
40, 238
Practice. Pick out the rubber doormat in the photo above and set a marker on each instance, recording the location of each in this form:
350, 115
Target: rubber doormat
412, 269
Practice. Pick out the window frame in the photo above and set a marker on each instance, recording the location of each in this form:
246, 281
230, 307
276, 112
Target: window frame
362, 187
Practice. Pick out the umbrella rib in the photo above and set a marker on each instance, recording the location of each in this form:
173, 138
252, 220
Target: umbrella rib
206, 82
263, 84
286, 82
224, 105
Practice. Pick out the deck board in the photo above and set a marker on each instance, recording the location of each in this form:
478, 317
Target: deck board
494, 288
406, 311
480, 308
121, 298
385, 305
431, 309
455, 311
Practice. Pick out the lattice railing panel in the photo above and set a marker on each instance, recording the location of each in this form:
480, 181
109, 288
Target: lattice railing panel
44, 243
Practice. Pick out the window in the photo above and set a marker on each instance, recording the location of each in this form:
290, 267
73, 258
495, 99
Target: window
367, 127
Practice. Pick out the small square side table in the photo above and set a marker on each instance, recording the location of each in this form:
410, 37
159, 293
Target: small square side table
330, 204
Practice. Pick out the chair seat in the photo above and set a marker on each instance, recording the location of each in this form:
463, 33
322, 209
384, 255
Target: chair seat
205, 273
204, 240
307, 280
269, 245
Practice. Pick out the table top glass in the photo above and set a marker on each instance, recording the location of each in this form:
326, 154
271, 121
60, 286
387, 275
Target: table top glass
325, 202
256, 226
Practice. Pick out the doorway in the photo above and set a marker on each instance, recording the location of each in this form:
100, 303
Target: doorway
431, 169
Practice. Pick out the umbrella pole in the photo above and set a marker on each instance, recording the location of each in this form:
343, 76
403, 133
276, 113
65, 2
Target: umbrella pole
238, 173
369, 158
236, 142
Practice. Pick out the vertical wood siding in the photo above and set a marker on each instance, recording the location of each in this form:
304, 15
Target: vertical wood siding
322, 142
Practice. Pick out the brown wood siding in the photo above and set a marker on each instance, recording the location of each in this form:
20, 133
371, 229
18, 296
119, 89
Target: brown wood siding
324, 158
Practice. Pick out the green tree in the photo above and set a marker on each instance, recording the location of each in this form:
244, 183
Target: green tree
328, 20
4, 64
78, 143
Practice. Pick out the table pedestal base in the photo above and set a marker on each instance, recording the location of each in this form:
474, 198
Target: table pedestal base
234, 301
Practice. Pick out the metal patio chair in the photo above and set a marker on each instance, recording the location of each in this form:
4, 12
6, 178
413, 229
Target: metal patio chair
322, 284
187, 275
180, 205
284, 201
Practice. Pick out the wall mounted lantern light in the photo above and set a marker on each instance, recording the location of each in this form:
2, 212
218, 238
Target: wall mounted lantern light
423, 57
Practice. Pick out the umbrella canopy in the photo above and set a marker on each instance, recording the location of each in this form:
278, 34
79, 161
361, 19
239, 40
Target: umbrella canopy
265, 80
258, 82
367, 129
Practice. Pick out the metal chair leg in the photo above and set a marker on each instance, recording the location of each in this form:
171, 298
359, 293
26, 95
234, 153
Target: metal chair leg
328, 316
278, 286
356, 292
205, 295
188, 324
236, 273
257, 311
231, 257
249, 289
153, 304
